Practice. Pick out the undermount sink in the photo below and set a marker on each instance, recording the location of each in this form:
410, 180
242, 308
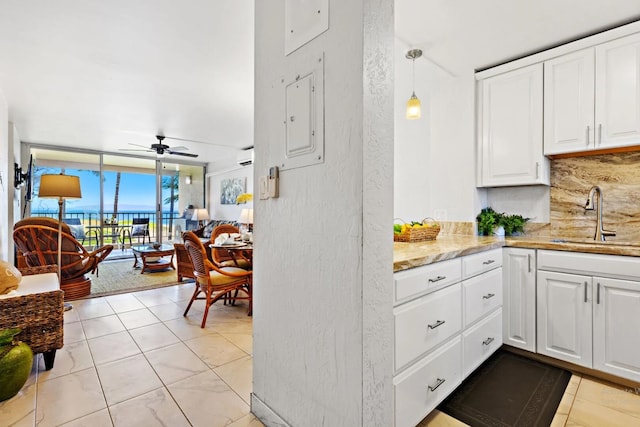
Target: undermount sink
592, 242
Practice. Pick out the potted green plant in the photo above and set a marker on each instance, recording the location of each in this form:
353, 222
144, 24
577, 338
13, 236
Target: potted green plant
489, 220
16, 359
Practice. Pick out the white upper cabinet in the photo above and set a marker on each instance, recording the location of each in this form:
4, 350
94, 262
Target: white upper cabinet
592, 98
618, 92
510, 143
568, 103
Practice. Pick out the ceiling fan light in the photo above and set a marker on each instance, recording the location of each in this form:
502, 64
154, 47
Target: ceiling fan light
414, 110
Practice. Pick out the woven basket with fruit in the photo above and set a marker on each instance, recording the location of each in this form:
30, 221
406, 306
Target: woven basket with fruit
415, 231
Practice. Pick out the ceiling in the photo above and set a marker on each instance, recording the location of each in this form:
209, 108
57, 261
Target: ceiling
105, 74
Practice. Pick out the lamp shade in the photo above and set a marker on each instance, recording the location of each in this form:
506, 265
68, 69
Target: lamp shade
200, 214
59, 186
246, 216
413, 107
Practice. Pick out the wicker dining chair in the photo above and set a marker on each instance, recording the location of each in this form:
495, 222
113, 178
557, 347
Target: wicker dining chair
216, 283
221, 257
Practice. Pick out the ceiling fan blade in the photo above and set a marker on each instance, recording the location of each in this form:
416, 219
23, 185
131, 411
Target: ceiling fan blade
138, 145
179, 148
135, 149
178, 153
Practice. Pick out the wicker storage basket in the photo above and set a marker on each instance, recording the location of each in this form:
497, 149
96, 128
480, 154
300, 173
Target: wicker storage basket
418, 234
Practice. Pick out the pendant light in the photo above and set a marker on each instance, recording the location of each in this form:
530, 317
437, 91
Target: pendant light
413, 104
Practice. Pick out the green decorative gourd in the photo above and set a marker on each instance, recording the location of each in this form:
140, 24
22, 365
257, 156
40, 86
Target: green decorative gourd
16, 359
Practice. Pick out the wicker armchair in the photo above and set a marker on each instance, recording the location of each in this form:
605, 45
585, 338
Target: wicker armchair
39, 315
216, 283
37, 240
185, 268
221, 257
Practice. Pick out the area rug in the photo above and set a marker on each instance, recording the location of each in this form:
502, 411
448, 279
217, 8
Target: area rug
115, 277
508, 390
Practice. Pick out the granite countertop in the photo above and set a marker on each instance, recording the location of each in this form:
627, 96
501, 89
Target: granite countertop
410, 255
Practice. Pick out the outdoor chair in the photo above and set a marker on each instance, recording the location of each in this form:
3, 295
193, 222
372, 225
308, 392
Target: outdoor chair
221, 257
216, 283
37, 240
139, 228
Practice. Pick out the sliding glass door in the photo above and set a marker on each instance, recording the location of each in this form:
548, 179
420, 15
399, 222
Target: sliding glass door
118, 191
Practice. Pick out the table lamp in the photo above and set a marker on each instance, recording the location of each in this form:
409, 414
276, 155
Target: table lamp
200, 215
60, 187
246, 218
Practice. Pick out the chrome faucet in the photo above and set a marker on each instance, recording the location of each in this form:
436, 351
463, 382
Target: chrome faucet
591, 205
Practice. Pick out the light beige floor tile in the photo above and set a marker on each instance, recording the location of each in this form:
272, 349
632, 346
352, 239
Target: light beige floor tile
206, 390
151, 298
182, 292
100, 326
175, 362
72, 357
127, 378
247, 421
71, 316
187, 328
244, 341
69, 397
92, 308
215, 350
606, 394
97, 419
138, 318
586, 413
574, 383
168, 311
20, 410
440, 419
239, 376
73, 332
109, 348
155, 408
230, 326
153, 336
124, 302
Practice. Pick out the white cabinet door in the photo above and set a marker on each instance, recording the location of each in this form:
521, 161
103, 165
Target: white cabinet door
618, 92
616, 327
519, 298
511, 151
569, 96
564, 317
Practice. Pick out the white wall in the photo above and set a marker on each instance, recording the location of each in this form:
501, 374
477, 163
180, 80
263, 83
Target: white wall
322, 337
230, 212
6, 187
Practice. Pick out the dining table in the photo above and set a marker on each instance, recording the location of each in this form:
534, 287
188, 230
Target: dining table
237, 251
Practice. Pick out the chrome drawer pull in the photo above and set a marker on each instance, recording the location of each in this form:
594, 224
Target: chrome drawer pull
435, 325
487, 341
491, 261
585, 291
487, 296
598, 295
437, 279
439, 382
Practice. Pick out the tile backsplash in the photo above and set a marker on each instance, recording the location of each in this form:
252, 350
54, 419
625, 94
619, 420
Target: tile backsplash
618, 175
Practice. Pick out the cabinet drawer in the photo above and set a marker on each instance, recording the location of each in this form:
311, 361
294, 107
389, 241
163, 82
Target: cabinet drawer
480, 341
475, 264
481, 294
420, 389
422, 324
417, 281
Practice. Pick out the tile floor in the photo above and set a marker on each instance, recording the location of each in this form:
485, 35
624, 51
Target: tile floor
134, 360
587, 402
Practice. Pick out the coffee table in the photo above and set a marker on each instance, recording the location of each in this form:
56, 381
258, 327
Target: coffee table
158, 263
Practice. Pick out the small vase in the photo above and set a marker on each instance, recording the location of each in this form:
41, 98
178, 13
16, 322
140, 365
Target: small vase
498, 231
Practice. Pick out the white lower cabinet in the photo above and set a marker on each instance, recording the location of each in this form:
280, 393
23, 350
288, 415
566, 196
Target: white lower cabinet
480, 341
616, 327
564, 317
428, 382
447, 322
590, 320
519, 298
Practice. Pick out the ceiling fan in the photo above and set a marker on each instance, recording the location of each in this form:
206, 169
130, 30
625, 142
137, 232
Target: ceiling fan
161, 149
